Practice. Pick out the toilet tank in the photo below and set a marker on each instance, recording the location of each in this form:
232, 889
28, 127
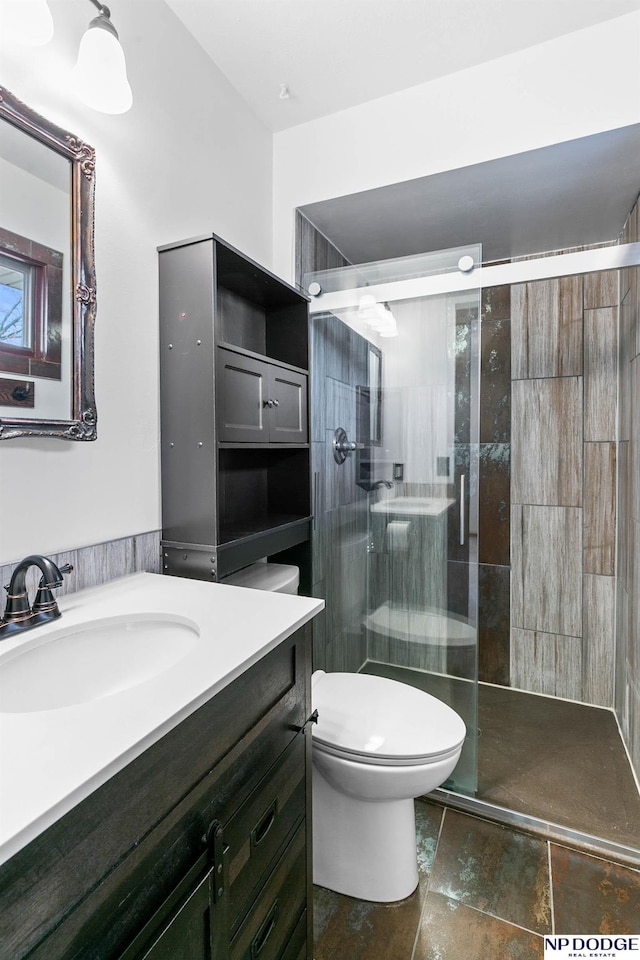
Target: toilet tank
276, 577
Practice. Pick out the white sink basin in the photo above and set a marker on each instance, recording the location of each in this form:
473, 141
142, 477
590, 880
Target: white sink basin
413, 506
92, 660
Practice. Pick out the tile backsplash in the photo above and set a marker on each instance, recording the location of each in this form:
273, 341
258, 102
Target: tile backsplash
99, 563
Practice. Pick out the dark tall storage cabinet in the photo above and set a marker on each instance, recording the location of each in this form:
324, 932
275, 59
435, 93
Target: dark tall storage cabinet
234, 413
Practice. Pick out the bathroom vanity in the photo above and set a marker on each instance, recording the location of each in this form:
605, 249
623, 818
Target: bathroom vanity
167, 820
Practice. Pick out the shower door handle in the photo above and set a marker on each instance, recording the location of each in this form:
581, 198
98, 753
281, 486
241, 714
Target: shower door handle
462, 482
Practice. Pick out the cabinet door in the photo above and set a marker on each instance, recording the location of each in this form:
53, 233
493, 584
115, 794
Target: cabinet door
242, 394
187, 926
288, 406
186, 935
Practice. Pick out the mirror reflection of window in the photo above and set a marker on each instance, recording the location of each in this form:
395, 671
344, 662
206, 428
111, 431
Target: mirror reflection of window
16, 304
30, 306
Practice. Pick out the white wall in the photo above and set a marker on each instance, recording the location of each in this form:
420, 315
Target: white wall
574, 86
189, 158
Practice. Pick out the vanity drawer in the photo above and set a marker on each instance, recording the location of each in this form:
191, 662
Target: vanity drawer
296, 949
266, 932
256, 834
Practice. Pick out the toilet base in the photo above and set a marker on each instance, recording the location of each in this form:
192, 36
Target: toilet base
363, 848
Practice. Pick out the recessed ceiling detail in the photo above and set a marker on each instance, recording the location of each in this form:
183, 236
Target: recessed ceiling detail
570, 194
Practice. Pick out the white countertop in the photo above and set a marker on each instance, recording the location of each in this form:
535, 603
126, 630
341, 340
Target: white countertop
412, 506
51, 760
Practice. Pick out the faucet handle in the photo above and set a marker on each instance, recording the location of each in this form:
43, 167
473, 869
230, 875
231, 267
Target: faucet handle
45, 602
17, 608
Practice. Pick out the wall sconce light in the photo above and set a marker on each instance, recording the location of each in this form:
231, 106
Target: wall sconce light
100, 73
27, 21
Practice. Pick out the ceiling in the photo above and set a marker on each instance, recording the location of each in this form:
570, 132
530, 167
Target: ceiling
334, 54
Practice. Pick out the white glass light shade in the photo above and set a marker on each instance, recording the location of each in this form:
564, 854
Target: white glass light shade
27, 21
378, 316
100, 74
389, 327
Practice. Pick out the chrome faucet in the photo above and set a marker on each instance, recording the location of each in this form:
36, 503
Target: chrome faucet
18, 614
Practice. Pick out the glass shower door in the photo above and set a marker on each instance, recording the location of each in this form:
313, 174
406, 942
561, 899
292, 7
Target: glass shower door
406, 459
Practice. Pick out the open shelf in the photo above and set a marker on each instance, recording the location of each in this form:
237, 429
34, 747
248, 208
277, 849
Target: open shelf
258, 312
241, 551
234, 411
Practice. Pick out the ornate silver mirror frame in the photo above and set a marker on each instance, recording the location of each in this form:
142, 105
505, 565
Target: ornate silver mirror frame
82, 425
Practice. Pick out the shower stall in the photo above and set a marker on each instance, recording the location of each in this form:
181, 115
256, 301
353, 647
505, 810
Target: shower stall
472, 444
395, 446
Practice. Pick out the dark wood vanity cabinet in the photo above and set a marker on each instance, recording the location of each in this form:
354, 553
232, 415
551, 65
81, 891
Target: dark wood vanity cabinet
234, 358
197, 850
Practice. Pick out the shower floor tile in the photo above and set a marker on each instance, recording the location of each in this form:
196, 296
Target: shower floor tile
559, 761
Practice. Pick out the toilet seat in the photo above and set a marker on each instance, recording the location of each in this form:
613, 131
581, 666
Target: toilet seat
375, 720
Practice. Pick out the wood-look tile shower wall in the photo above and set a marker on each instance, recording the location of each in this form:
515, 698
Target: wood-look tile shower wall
627, 696
558, 471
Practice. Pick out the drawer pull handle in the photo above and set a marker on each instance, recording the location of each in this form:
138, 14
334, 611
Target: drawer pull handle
263, 825
266, 929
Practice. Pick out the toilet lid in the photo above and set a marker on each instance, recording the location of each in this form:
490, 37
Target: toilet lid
382, 720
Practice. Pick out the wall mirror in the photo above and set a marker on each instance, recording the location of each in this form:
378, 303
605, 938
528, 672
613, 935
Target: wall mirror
47, 278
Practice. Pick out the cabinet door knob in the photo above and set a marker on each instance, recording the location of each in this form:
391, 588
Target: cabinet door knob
276, 403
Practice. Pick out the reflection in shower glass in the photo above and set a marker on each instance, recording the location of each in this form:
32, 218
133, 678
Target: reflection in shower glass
395, 550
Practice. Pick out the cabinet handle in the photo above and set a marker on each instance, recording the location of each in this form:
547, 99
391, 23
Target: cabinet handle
263, 825
276, 403
268, 403
266, 929
312, 718
214, 841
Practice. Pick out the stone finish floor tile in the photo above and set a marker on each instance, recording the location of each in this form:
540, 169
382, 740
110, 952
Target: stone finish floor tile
450, 930
495, 870
593, 896
349, 929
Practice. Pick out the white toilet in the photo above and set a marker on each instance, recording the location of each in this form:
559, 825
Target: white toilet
377, 745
